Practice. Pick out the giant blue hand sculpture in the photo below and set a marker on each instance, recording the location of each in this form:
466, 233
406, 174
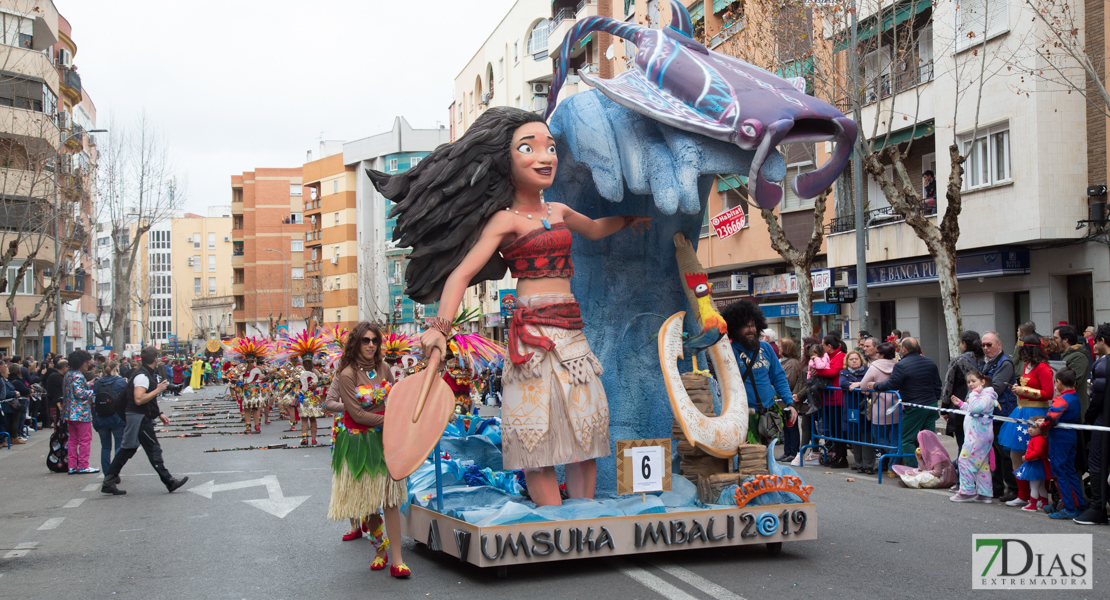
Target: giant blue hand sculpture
613, 161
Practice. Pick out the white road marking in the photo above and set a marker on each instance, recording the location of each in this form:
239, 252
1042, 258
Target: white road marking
73, 503
51, 523
92, 487
21, 549
275, 503
651, 582
126, 530
703, 584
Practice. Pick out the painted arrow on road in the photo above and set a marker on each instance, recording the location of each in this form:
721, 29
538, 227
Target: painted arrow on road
276, 504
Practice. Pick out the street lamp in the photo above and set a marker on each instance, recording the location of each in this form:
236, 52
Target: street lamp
288, 289
58, 335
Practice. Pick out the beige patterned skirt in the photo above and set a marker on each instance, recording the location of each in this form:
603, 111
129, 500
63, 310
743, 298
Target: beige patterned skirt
553, 407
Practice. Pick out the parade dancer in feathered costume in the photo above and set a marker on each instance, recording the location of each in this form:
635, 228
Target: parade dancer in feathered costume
361, 484
250, 382
310, 384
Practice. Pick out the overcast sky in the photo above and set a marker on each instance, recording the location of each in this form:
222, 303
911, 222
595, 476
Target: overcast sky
240, 84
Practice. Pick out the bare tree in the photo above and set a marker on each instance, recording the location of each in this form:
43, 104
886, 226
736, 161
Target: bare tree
1068, 56
138, 189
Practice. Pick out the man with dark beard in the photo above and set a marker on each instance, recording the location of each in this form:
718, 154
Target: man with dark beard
764, 379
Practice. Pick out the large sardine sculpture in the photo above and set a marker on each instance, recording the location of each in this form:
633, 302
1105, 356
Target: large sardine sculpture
681, 83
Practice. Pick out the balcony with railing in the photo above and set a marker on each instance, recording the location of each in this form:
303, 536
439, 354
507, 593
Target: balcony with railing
73, 286
71, 84
313, 237
726, 32
874, 218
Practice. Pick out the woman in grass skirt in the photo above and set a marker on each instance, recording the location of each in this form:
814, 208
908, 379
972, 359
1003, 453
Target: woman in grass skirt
361, 484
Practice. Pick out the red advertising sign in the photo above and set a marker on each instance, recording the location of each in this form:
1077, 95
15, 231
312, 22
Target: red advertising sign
729, 222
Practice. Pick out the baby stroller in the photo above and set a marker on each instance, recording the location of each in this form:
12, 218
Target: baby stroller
57, 460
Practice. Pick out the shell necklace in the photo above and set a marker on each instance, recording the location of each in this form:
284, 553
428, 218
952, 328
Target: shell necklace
546, 223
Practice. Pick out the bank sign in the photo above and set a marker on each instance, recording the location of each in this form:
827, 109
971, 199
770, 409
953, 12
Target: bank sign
1031, 562
996, 263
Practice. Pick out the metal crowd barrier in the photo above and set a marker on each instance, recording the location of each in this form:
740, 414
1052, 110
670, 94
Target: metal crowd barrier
861, 419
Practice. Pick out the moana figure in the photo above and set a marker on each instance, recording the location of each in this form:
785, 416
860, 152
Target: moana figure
469, 210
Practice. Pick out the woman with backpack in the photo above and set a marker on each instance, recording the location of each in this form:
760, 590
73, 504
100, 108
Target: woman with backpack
106, 421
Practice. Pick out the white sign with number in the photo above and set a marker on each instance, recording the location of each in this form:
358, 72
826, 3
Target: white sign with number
647, 469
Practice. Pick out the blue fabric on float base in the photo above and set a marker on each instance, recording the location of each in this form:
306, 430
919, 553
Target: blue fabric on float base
614, 162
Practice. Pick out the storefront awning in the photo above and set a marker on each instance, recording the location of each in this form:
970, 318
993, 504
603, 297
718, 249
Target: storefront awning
994, 263
903, 135
891, 17
729, 182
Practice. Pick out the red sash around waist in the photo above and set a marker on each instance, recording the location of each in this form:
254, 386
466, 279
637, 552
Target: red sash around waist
565, 315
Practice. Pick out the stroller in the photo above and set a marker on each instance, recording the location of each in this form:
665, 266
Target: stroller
57, 460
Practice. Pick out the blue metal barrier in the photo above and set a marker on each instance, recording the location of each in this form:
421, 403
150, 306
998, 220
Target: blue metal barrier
861, 419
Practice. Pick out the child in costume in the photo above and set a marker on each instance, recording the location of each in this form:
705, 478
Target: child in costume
1034, 390
815, 384
1065, 408
469, 210
975, 463
361, 484
1036, 470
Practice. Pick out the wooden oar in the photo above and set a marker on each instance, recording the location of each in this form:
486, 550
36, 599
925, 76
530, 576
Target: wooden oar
432, 368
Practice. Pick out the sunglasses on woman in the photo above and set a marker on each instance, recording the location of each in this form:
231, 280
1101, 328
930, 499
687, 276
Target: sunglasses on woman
371, 340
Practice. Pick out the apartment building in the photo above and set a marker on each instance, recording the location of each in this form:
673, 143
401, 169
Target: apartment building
202, 279
1021, 255
268, 266
381, 269
49, 161
331, 243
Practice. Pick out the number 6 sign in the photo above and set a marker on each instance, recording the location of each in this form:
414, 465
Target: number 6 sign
643, 466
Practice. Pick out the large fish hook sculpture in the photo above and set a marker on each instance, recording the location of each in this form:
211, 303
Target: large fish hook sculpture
720, 436
677, 81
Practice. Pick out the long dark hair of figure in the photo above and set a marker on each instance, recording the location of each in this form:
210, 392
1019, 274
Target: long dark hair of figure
445, 201
352, 348
1031, 351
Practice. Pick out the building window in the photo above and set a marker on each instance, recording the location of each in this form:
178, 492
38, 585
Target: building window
790, 200
211, 263
338, 283
980, 20
298, 246
196, 286
339, 314
210, 321
500, 69
196, 241
211, 241
298, 301
537, 39
413, 162
295, 189
988, 159
197, 266
298, 272
211, 286
296, 218
393, 164
26, 285
876, 199
337, 218
516, 51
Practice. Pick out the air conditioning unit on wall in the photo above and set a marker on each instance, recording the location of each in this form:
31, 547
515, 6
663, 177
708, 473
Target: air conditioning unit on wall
539, 88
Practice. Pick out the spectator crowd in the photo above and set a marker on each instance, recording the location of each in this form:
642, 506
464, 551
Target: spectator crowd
1004, 410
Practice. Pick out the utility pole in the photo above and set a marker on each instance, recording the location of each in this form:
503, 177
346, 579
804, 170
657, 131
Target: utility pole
857, 180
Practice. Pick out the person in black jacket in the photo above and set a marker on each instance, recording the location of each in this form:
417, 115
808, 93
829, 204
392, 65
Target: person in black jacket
140, 412
54, 389
1096, 414
917, 380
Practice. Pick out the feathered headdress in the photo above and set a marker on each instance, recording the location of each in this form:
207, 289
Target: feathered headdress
304, 344
396, 345
476, 352
254, 348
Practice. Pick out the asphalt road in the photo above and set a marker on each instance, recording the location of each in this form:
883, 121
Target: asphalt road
60, 538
